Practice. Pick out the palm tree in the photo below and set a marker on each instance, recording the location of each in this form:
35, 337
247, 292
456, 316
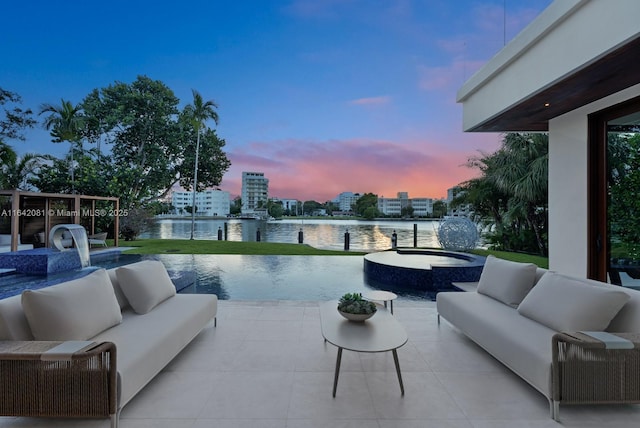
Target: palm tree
65, 123
16, 173
520, 169
7, 154
199, 112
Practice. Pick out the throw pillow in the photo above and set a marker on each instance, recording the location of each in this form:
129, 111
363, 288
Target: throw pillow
567, 304
74, 310
506, 281
122, 299
145, 284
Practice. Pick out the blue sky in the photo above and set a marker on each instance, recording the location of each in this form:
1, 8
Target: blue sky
323, 96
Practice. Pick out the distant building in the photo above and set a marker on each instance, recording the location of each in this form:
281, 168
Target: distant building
452, 193
255, 192
422, 207
390, 206
395, 206
208, 202
293, 205
346, 200
461, 210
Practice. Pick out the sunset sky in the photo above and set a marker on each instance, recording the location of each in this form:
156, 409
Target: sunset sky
323, 96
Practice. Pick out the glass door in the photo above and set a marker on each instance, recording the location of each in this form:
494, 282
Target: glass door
623, 199
614, 194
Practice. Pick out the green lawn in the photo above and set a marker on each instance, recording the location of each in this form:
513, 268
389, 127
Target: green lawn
198, 246
540, 261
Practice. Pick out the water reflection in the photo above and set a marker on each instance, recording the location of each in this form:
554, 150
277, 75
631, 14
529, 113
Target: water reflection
327, 234
251, 277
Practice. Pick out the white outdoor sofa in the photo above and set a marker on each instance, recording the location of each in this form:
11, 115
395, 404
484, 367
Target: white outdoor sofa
84, 348
554, 331
5, 244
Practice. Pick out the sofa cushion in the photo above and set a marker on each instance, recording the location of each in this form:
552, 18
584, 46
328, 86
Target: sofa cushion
74, 310
568, 304
145, 284
122, 299
506, 281
13, 324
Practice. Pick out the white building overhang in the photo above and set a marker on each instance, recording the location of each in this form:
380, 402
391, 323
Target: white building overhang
575, 52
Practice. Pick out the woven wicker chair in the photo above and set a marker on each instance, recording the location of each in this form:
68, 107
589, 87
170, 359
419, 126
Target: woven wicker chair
585, 372
83, 385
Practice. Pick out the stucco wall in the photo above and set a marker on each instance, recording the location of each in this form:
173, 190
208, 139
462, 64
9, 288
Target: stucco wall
565, 37
568, 185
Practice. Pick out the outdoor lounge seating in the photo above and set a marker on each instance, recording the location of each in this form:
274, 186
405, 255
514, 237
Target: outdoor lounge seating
5, 244
98, 239
84, 348
548, 329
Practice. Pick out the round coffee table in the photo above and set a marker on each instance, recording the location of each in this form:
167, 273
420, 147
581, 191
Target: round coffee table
382, 296
380, 333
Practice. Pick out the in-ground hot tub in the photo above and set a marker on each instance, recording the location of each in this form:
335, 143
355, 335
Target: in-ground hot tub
421, 269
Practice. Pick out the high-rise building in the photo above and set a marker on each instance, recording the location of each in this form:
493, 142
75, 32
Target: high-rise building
346, 200
255, 192
208, 202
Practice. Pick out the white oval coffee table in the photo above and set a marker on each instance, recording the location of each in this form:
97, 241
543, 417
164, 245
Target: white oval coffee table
380, 333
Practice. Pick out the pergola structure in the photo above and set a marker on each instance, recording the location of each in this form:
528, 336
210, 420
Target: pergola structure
29, 216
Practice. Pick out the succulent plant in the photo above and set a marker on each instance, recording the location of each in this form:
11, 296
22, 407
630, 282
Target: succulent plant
353, 303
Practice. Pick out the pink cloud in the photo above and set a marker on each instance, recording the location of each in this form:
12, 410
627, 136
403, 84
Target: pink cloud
371, 101
320, 170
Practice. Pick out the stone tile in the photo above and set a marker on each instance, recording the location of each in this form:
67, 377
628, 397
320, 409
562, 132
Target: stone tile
264, 356
425, 423
282, 313
248, 395
457, 356
312, 397
320, 356
171, 394
240, 423
275, 330
156, 423
409, 358
499, 396
424, 398
332, 423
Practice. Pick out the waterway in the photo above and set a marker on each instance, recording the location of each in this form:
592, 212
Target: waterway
374, 235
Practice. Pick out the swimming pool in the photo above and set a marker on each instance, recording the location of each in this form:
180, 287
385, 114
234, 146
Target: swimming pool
238, 277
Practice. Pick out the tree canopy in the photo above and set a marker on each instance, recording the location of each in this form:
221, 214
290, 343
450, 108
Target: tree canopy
141, 144
367, 206
510, 195
13, 118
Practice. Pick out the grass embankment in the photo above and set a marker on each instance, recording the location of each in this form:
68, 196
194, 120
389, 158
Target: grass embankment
540, 261
199, 246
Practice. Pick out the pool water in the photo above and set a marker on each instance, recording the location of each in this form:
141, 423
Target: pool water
238, 277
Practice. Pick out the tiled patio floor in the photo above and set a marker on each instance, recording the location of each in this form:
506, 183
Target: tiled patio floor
266, 366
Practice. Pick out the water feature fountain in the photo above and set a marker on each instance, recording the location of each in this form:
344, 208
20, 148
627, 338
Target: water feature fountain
62, 236
69, 251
